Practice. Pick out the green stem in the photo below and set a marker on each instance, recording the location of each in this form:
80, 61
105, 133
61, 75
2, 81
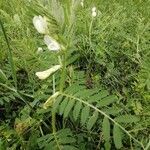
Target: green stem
53, 122
147, 146
53, 113
41, 130
54, 90
90, 30
54, 118
63, 73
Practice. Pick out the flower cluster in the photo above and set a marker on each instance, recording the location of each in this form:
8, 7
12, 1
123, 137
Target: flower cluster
94, 12
41, 26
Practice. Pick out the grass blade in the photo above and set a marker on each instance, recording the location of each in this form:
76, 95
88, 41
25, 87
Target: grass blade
10, 56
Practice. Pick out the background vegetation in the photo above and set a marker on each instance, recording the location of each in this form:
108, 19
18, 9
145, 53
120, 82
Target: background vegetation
104, 85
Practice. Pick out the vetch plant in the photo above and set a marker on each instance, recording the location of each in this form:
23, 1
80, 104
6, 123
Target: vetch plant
99, 116
86, 105
41, 26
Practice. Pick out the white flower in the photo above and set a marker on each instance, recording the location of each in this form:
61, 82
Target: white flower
45, 74
82, 3
39, 50
94, 14
40, 24
93, 9
52, 44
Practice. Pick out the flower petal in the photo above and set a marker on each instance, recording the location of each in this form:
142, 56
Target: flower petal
53, 47
40, 24
51, 43
93, 9
94, 14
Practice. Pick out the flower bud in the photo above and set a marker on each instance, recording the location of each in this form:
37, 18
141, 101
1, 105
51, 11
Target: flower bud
94, 14
45, 74
39, 50
82, 3
50, 100
93, 9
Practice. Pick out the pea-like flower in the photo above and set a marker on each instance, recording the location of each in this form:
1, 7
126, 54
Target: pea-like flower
93, 9
45, 74
52, 44
40, 24
51, 100
94, 13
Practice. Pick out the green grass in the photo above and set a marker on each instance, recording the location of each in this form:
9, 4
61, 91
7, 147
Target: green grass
103, 57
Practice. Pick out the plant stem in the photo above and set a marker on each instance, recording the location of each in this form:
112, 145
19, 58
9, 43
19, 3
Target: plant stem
90, 31
63, 73
41, 130
53, 121
53, 113
54, 118
147, 146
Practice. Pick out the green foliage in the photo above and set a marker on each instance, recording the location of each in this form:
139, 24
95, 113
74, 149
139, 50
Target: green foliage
66, 104
106, 129
92, 120
127, 119
117, 137
3, 77
103, 85
67, 101
85, 114
77, 109
63, 139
